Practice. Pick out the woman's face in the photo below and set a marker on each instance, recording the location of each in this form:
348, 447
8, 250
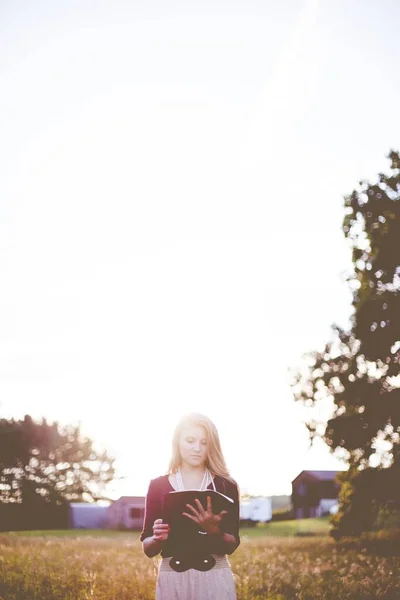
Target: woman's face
193, 445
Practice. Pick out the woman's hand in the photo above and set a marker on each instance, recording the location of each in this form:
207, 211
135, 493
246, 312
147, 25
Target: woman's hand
206, 518
160, 530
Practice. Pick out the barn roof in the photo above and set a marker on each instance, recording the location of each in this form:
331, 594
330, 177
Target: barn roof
125, 499
88, 506
321, 475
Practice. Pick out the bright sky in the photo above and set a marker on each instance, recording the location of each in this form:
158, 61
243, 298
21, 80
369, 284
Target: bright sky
171, 207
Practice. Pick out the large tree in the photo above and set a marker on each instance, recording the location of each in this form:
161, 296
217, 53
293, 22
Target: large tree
47, 462
359, 368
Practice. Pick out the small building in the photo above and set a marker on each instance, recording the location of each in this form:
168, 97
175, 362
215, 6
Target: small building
85, 515
314, 493
255, 510
126, 513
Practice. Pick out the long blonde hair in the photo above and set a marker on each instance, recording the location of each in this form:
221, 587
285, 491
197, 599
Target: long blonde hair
215, 460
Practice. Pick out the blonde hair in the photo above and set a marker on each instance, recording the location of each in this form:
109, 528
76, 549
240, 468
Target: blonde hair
215, 460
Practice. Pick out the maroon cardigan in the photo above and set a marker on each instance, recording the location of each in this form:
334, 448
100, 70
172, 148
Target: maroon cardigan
189, 540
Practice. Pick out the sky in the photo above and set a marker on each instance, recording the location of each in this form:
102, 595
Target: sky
170, 215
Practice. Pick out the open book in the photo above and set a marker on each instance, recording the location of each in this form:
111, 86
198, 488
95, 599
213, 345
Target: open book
175, 504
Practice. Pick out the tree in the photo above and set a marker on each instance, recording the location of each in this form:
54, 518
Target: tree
359, 369
45, 462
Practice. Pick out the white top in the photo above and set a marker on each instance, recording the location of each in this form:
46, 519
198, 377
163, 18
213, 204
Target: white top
204, 484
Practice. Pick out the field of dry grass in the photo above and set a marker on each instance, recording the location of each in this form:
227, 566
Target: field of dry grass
111, 566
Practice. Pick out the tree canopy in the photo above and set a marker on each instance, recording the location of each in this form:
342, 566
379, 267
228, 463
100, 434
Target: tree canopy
47, 462
359, 368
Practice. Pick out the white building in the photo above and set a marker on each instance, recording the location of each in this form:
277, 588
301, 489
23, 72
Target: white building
84, 515
257, 510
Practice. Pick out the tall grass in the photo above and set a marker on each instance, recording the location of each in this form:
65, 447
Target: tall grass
111, 566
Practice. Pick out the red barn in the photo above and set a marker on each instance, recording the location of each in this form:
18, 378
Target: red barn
314, 493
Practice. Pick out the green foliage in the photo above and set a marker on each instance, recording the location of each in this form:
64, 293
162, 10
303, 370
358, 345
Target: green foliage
388, 517
357, 507
41, 462
360, 369
282, 514
385, 542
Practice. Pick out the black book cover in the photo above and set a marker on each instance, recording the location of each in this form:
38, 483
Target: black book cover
175, 504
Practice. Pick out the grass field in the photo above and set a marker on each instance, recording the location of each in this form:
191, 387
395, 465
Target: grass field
278, 561
318, 526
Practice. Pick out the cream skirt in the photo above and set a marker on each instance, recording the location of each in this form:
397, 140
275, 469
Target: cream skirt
215, 584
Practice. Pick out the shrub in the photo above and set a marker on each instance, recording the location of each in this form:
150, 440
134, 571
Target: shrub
282, 514
388, 517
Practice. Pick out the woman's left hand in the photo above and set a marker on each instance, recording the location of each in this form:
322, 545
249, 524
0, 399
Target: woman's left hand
206, 518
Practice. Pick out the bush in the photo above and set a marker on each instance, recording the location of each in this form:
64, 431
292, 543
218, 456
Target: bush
248, 523
384, 542
282, 514
358, 509
388, 517
364, 504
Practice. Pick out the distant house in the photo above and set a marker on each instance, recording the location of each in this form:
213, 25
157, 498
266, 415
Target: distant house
126, 513
83, 515
314, 493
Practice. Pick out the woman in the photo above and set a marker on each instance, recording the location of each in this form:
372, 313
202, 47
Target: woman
194, 564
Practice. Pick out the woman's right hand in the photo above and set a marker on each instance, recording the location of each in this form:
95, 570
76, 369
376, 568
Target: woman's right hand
160, 530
